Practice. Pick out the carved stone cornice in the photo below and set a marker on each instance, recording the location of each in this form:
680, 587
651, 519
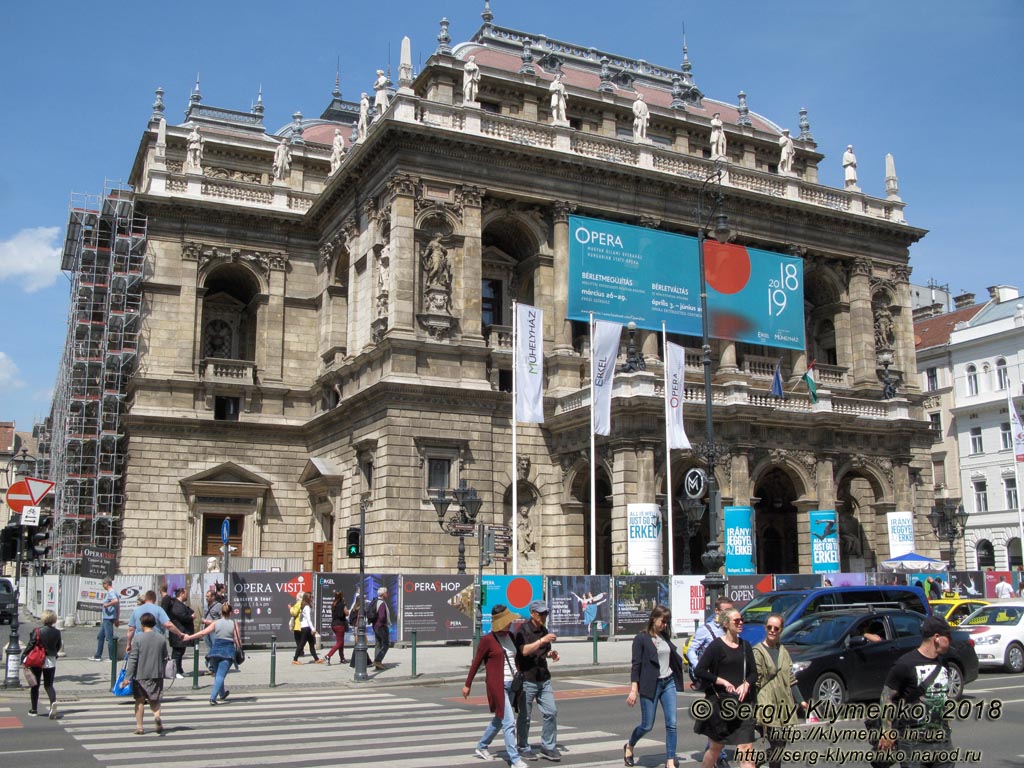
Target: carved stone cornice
561, 210
369, 208
468, 195
261, 261
401, 184
861, 267
425, 207
651, 222
901, 274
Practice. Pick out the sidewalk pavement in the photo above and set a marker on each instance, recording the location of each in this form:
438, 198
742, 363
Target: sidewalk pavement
439, 665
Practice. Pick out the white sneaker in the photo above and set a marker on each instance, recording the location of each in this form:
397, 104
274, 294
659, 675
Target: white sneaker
178, 676
519, 764
95, 658
53, 711
483, 754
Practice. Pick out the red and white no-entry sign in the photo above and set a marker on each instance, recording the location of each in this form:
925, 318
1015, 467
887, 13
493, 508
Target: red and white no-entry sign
27, 493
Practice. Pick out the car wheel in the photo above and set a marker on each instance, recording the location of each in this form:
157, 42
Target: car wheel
1015, 658
956, 683
829, 689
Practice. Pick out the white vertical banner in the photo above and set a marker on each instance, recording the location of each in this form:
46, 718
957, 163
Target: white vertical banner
675, 376
643, 539
901, 532
687, 604
529, 373
1017, 430
604, 349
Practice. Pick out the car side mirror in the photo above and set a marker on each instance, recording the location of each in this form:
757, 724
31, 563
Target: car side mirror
856, 641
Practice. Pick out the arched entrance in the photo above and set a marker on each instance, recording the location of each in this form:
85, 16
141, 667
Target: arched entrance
857, 494
603, 513
689, 539
775, 523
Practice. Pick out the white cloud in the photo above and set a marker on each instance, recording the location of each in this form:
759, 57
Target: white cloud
31, 258
9, 373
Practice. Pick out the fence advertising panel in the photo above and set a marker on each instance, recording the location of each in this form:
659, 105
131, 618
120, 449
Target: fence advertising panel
635, 597
348, 583
261, 602
687, 603
437, 607
577, 604
516, 592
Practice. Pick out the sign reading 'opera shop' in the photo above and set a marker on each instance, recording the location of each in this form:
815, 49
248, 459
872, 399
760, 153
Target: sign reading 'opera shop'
625, 274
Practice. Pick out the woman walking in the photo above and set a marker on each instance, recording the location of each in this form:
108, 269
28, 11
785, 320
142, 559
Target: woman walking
146, 664
339, 626
49, 639
226, 643
728, 671
777, 689
295, 611
307, 627
655, 677
184, 618
498, 653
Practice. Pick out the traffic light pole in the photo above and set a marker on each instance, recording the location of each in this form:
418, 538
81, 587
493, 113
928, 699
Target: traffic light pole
359, 654
12, 654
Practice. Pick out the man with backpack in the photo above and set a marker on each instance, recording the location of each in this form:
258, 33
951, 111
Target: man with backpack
702, 638
378, 614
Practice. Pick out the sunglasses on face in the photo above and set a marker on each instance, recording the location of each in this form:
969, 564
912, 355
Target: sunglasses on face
771, 628
737, 621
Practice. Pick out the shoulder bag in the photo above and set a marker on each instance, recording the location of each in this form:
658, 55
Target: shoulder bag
36, 657
515, 690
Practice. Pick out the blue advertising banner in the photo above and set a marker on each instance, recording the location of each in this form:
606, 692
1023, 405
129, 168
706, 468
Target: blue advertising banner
739, 540
824, 541
516, 592
624, 273
577, 603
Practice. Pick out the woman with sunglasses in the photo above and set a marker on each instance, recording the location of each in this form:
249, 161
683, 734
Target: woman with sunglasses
729, 671
777, 689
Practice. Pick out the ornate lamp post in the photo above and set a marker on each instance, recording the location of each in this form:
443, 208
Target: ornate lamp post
360, 655
462, 521
634, 360
17, 468
948, 522
693, 513
709, 207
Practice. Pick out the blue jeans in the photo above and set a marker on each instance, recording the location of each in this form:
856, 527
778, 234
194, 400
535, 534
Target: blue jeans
666, 694
545, 697
104, 637
221, 657
506, 724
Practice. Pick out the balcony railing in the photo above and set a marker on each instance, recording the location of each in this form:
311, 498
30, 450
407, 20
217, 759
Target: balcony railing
216, 370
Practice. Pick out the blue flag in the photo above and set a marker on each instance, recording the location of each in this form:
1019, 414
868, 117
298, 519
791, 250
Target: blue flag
777, 389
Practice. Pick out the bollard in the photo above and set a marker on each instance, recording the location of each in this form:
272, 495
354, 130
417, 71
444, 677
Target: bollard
273, 662
113, 661
195, 666
594, 628
414, 653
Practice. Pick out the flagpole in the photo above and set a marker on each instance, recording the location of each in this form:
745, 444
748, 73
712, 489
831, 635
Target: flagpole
668, 456
593, 461
515, 446
1016, 428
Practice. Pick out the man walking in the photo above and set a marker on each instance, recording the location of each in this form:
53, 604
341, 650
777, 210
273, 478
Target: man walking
920, 677
533, 649
163, 621
111, 611
702, 638
379, 614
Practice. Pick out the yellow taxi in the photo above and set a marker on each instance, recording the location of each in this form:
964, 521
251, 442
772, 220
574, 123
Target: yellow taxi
955, 609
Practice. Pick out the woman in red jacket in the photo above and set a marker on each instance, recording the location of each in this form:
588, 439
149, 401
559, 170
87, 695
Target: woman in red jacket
499, 653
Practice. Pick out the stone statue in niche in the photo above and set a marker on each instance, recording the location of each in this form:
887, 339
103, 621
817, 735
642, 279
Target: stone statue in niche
380, 98
282, 161
885, 329
641, 118
524, 531
383, 280
437, 276
194, 152
850, 167
337, 151
717, 137
558, 101
470, 80
786, 153
364, 116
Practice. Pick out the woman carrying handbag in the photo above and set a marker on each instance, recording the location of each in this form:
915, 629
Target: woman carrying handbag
728, 671
40, 662
777, 689
226, 645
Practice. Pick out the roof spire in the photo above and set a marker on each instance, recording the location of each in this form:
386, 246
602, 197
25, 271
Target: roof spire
487, 16
805, 126
892, 183
686, 67
196, 97
336, 93
158, 105
444, 40
258, 108
744, 112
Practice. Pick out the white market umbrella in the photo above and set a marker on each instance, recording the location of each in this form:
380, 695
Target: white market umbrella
913, 563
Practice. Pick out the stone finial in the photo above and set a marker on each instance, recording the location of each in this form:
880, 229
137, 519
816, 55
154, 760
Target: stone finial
805, 126
678, 102
892, 183
687, 68
336, 93
297, 128
744, 112
158, 106
527, 67
606, 76
487, 16
196, 96
258, 106
444, 40
405, 64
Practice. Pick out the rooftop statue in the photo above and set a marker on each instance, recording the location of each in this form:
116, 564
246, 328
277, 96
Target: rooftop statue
470, 80
364, 115
850, 167
641, 117
337, 151
717, 138
282, 161
194, 152
557, 89
786, 153
380, 99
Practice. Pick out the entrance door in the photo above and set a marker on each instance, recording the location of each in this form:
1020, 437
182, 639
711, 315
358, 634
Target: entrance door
211, 534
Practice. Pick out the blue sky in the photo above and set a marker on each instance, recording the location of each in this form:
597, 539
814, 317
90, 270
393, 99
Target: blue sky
928, 80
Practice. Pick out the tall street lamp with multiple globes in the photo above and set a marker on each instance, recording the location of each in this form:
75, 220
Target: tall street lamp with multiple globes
462, 521
709, 209
949, 521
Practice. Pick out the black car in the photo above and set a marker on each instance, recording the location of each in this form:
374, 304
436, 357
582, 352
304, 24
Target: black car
7, 605
842, 656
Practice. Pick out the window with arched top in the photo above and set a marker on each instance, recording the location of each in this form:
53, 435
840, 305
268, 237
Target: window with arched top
1002, 375
986, 554
972, 379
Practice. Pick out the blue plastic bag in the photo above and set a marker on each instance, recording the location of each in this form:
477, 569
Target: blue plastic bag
123, 683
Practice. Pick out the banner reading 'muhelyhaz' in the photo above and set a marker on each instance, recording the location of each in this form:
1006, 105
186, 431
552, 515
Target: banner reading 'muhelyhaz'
824, 541
739, 540
529, 364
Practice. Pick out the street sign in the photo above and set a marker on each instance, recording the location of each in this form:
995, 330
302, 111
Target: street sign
225, 530
27, 493
30, 516
464, 529
695, 483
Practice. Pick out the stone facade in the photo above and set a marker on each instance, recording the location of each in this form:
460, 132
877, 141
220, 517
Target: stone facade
331, 338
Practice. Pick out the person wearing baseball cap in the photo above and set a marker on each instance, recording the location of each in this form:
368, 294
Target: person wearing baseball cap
533, 649
920, 676
498, 653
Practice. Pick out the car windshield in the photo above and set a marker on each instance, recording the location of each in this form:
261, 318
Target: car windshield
5, 588
818, 629
994, 616
760, 608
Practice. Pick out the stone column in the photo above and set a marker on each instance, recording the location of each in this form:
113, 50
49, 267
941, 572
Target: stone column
404, 261
471, 199
905, 349
271, 320
624, 491
562, 326
862, 324
803, 532
190, 310
825, 482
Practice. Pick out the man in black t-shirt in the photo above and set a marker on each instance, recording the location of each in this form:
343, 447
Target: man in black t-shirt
917, 687
533, 649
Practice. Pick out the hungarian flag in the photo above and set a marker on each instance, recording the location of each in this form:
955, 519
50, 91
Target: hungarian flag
808, 377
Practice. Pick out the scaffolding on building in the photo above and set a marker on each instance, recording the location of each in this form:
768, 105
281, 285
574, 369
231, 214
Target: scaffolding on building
84, 438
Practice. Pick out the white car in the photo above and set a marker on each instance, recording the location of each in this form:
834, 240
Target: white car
998, 634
